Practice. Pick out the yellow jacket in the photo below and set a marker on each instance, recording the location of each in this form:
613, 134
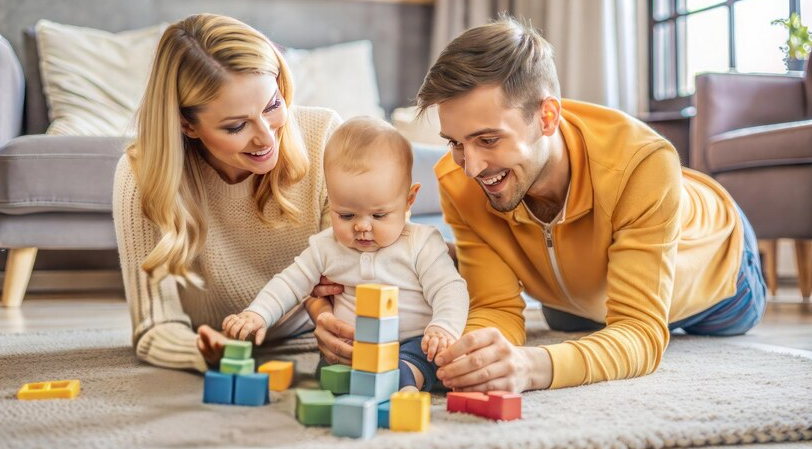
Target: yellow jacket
643, 242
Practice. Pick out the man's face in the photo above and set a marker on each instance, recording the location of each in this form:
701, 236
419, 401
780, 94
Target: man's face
494, 144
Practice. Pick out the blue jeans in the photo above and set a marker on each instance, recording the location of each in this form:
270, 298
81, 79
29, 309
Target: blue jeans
731, 316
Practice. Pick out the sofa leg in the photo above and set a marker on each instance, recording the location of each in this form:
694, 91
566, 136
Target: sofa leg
803, 257
768, 250
19, 265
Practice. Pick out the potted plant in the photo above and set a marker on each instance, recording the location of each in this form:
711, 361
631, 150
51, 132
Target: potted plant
798, 43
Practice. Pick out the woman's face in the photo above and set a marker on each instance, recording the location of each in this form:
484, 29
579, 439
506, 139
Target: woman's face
238, 129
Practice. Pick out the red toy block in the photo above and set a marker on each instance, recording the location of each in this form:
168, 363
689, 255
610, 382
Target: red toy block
458, 402
504, 406
478, 405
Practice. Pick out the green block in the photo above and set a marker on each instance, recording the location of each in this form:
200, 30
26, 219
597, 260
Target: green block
238, 350
314, 407
232, 366
336, 378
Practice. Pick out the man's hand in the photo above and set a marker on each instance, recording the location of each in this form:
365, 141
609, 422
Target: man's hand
211, 344
484, 360
334, 336
435, 340
243, 325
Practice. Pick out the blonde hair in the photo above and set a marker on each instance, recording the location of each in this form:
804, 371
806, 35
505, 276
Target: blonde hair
359, 143
505, 53
195, 57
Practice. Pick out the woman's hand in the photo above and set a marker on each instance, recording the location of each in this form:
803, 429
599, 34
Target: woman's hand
211, 344
334, 336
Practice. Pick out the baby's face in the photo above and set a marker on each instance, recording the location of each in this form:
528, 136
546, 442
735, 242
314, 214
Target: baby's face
368, 210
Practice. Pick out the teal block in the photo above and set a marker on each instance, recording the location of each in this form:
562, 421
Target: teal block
355, 417
314, 407
251, 389
218, 388
376, 330
232, 366
376, 385
238, 350
383, 414
335, 378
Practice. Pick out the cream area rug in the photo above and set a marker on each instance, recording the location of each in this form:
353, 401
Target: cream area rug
707, 392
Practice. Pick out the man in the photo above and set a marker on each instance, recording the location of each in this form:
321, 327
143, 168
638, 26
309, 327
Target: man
584, 208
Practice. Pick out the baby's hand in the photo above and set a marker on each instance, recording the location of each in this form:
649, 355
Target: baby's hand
243, 325
435, 340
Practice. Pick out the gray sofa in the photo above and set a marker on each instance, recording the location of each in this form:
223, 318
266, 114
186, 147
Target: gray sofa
55, 191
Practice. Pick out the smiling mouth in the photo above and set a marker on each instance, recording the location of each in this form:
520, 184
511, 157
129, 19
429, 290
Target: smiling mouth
495, 180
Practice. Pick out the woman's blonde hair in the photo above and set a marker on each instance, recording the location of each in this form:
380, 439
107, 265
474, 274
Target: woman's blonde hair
195, 57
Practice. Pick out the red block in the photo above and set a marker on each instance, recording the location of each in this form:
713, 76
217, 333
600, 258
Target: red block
504, 406
458, 402
478, 405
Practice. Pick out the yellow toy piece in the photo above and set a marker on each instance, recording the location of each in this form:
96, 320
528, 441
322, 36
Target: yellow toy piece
280, 374
56, 389
409, 411
375, 357
376, 301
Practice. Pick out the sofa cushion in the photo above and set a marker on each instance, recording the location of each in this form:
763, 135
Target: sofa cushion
425, 158
761, 146
11, 93
58, 174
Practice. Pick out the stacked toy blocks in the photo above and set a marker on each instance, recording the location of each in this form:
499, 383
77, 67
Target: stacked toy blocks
236, 382
57, 389
495, 405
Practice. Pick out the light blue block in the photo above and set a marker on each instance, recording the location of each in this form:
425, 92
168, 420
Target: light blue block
355, 417
376, 385
251, 389
376, 330
383, 415
218, 388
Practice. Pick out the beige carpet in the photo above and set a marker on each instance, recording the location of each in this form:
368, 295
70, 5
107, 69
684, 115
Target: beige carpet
707, 392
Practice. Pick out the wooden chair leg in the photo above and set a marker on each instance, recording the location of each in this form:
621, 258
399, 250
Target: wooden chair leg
769, 250
19, 265
803, 257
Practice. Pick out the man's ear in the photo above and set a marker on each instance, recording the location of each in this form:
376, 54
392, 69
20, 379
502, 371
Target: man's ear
549, 115
412, 195
187, 128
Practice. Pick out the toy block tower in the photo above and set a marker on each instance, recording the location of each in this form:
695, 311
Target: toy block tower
375, 350
236, 382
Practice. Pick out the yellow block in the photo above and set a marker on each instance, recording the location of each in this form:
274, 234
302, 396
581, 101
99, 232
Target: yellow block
376, 301
375, 357
280, 374
410, 411
56, 389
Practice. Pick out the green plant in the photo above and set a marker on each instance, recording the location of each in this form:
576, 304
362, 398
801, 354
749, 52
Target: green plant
799, 43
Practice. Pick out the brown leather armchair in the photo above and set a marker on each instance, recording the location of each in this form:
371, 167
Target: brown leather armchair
753, 134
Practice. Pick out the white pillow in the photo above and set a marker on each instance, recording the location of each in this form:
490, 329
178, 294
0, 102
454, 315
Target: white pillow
93, 80
339, 77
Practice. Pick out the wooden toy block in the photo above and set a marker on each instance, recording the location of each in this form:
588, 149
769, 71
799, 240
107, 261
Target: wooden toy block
55, 389
478, 405
314, 407
218, 388
376, 330
504, 405
238, 350
383, 414
355, 417
376, 301
458, 402
251, 389
335, 378
280, 373
376, 385
375, 358
233, 366
410, 411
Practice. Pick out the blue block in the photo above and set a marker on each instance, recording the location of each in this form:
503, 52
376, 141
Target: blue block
383, 414
218, 388
376, 330
376, 385
355, 417
251, 389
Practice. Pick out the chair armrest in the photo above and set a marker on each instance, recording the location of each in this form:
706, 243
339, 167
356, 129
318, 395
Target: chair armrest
728, 101
12, 93
761, 146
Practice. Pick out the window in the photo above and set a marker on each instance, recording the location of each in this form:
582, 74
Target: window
688, 37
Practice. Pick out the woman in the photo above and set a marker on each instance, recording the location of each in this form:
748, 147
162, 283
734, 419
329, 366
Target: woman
220, 190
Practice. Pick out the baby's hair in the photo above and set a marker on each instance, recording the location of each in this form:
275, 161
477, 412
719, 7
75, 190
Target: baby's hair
358, 144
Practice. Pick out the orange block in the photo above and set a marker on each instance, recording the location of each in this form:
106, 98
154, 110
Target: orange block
376, 300
375, 357
57, 389
280, 374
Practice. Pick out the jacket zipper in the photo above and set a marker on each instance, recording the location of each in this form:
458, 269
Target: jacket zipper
548, 236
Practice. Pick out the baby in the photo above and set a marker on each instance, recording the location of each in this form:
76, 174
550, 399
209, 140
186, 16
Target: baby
367, 169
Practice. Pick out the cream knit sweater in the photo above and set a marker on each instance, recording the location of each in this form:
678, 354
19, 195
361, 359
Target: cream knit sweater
240, 255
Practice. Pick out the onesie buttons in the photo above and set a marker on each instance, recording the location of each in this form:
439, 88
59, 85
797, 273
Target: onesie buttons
367, 266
